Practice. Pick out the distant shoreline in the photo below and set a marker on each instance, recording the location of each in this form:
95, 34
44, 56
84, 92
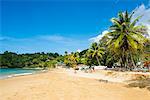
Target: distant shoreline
24, 71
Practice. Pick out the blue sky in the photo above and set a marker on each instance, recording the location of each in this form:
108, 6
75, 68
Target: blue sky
28, 26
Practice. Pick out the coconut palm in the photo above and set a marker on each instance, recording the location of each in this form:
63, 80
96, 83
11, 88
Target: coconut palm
126, 38
72, 59
95, 51
77, 57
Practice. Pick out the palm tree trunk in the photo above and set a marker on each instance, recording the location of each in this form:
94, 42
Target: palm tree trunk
133, 62
127, 61
98, 60
122, 62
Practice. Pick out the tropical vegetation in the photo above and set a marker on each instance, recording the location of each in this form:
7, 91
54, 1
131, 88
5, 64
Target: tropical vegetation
36, 60
124, 45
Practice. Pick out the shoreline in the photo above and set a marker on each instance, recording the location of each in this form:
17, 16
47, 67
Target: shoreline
59, 85
99, 74
7, 76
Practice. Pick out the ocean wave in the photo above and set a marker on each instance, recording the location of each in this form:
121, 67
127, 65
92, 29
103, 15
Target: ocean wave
14, 75
22, 74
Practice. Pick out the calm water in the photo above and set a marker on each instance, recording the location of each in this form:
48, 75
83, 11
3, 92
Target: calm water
11, 72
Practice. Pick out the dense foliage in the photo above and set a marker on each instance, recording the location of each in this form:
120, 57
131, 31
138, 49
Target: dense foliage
36, 60
125, 44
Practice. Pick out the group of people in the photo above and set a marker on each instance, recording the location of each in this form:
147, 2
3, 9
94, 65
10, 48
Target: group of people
86, 69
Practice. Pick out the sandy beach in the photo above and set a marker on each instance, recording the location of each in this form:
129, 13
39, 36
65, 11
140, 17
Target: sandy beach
58, 84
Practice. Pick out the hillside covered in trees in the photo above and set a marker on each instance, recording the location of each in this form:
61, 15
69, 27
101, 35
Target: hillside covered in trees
35, 60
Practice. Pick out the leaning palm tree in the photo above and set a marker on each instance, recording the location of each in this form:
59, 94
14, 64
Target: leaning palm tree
126, 38
95, 51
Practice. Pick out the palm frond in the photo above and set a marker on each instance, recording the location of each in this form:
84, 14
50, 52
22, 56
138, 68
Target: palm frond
117, 23
135, 21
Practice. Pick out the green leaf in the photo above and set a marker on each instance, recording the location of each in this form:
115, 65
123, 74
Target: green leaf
131, 41
119, 39
116, 22
134, 22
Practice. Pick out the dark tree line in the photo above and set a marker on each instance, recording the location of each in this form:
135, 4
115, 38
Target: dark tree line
35, 60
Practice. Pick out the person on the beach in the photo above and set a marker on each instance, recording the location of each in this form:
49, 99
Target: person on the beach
75, 69
90, 67
93, 69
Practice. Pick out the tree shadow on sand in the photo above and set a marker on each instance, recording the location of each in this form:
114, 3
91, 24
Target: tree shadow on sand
141, 82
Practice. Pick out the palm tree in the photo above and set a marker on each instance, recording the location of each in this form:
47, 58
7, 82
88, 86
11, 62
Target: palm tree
72, 59
95, 51
66, 53
77, 57
125, 38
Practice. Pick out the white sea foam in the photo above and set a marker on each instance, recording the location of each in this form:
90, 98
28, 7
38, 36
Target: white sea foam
22, 74
14, 75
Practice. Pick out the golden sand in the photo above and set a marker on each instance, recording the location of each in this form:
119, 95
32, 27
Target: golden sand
58, 85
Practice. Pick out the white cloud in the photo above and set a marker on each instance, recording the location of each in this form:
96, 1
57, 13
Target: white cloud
97, 38
78, 50
138, 11
14, 39
145, 13
51, 38
62, 40
57, 39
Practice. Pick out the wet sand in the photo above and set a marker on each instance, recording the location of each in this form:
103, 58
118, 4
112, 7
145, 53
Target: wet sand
59, 85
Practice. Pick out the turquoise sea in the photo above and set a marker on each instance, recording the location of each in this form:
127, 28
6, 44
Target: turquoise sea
12, 72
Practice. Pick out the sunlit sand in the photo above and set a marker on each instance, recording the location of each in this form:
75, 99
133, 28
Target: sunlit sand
61, 84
